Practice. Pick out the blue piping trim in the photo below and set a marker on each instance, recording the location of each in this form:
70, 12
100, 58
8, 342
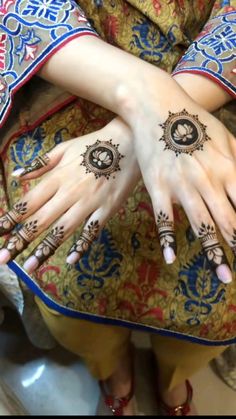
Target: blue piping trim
34, 287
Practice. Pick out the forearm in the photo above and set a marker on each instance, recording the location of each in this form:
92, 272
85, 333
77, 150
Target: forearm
204, 91
106, 75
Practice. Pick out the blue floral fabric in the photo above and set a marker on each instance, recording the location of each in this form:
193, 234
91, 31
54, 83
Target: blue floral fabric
30, 31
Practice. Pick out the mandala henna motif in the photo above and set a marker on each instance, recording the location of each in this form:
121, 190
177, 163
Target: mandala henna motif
102, 158
13, 217
211, 246
19, 241
49, 245
87, 237
36, 164
183, 133
166, 231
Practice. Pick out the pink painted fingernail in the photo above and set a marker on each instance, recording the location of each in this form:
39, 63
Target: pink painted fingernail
224, 274
5, 256
169, 255
18, 172
72, 258
31, 264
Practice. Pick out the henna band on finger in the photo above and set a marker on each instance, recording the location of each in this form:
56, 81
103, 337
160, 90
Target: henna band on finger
87, 237
214, 251
9, 220
233, 241
36, 164
166, 235
49, 245
19, 241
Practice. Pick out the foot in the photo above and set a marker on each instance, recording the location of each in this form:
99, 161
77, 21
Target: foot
179, 396
120, 386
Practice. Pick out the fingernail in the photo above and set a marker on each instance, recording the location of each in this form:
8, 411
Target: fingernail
31, 264
18, 172
224, 274
72, 258
169, 255
5, 256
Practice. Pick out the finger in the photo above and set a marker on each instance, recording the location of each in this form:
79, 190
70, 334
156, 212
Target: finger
63, 229
232, 142
40, 221
222, 212
20, 211
89, 234
230, 190
41, 164
204, 229
165, 222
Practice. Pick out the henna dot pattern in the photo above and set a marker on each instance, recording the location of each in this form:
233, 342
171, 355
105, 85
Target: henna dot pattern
102, 158
183, 133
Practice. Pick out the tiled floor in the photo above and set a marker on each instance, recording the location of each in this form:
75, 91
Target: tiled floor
57, 383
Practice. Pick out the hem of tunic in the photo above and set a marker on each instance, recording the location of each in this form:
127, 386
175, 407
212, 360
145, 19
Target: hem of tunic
97, 318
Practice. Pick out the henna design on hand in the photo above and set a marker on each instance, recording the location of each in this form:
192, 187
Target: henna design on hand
36, 164
87, 237
183, 133
20, 240
211, 246
49, 245
166, 231
102, 158
13, 217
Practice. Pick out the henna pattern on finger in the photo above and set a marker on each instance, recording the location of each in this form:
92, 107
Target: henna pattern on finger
166, 231
233, 241
87, 237
20, 240
36, 164
49, 245
211, 246
102, 158
183, 133
9, 220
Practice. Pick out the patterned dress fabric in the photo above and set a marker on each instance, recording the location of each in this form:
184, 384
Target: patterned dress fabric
122, 279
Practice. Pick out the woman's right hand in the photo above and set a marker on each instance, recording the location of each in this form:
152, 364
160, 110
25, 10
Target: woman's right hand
86, 179
186, 156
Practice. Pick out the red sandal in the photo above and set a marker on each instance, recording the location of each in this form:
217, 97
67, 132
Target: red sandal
182, 409
116, 404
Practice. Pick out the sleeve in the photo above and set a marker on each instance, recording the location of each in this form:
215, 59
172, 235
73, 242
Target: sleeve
30, 32
213, 53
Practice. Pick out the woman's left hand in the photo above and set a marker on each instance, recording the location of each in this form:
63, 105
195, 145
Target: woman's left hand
87, 178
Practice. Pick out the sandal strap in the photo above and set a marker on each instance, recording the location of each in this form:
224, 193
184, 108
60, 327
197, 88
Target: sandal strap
182, 409
116, 404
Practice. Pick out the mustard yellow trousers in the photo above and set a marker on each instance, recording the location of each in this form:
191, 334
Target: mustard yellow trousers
101, 347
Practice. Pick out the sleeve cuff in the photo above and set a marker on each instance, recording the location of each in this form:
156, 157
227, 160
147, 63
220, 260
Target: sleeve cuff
213, 53
30, 34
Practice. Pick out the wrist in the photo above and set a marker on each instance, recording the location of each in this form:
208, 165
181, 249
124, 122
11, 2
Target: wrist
148, 96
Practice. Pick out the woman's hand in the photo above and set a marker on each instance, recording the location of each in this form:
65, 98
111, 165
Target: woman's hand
87, 178
186, 156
